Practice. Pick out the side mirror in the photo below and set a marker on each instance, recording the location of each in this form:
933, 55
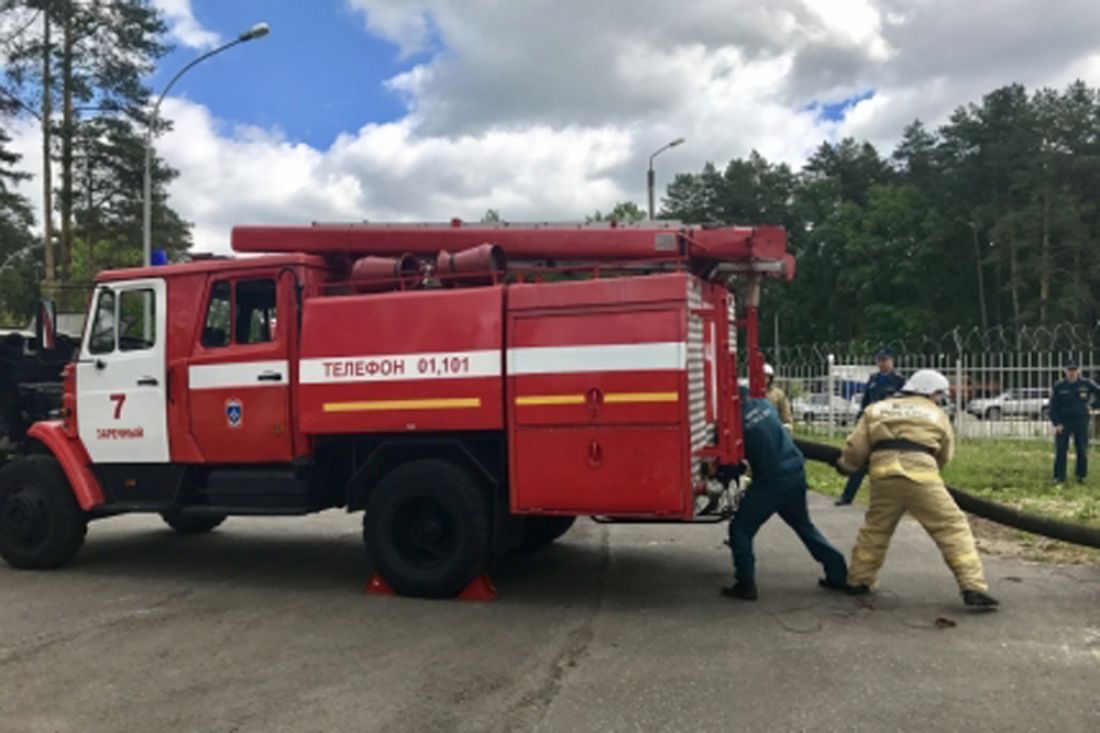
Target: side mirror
45, 325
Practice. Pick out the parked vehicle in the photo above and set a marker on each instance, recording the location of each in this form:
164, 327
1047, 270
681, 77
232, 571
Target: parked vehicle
1030, 403
815, 408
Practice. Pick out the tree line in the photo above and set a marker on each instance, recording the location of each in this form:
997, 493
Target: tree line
78, 69
993, 219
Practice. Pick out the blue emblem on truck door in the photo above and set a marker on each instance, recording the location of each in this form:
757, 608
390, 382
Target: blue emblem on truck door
234, 413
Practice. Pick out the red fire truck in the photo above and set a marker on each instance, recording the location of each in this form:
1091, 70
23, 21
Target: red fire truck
473, 388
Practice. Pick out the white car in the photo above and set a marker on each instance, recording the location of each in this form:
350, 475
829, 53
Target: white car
815, 408
1030, 403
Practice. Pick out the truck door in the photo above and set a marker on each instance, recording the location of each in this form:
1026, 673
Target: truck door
120, 390
239, 373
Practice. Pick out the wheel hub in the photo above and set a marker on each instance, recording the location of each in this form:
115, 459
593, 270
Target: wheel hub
423, 535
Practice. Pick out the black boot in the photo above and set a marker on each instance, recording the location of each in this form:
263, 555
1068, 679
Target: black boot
842, 502
858, 590
980, 599
740, 589
833, 585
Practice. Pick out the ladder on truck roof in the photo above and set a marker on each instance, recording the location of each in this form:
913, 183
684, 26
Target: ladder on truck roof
732, 249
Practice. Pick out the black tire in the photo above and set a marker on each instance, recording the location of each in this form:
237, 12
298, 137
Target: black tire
426, 529
538, 532
192, 523
41, 525
993, 413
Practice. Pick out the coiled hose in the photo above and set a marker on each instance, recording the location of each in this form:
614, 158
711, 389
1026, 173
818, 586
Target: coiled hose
1054, 528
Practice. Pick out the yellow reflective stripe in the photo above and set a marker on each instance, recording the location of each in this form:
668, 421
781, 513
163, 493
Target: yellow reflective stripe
964, 558
894, 470
611, 398
627, 397
449, 403
550, 399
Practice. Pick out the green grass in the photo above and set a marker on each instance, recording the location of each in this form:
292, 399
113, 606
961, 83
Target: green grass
1013, 472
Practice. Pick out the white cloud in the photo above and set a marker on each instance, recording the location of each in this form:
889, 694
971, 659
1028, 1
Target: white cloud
182, 25
404, 22
548, 109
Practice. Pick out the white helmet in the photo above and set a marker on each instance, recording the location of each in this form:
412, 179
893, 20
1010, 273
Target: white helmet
769, 371
926, 382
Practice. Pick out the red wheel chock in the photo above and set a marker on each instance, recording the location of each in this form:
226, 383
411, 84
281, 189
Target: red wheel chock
480, 588
378, 586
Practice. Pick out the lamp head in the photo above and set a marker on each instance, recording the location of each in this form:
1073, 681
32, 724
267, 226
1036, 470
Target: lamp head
257, 31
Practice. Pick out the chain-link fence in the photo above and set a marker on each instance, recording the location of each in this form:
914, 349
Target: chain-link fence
1000, 379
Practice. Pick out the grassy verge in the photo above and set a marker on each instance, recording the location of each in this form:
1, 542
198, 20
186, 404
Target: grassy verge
1013, 472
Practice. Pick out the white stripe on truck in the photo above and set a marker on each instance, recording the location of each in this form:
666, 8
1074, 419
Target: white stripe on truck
238, 374
602, 358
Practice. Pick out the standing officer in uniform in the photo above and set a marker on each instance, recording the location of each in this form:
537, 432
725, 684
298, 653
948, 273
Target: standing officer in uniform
880, 386
906, 440
1069, 411
778, 487
779, 400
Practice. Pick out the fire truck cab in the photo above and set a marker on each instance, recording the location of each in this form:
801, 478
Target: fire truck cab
472, 388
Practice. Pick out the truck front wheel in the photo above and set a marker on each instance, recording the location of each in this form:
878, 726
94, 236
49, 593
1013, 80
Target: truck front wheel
426, 529
41, 525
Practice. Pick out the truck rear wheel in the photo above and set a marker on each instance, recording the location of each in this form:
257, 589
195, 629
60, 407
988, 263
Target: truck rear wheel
426, 529
192, 523
538, 532
41, 525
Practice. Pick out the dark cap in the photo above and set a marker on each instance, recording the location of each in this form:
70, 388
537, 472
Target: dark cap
1071, 364
884, 352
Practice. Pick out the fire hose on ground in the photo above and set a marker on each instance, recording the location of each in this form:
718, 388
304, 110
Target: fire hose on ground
1053, 528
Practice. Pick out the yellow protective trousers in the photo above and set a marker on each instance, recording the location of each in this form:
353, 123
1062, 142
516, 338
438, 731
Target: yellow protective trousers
937, 512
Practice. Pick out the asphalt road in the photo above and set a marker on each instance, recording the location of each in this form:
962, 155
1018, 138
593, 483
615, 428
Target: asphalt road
263, 626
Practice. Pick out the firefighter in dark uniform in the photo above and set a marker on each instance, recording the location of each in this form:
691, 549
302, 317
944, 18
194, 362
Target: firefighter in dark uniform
778, 487
886, 383
1069, 411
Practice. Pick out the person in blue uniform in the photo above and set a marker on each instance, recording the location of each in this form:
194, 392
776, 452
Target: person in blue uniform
778, 487
1069, 412
885, 383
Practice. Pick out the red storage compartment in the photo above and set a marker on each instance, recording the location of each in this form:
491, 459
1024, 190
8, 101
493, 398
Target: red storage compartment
601, 399
620, 471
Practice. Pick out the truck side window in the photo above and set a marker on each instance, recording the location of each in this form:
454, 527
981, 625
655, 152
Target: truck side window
102, 338
215, 331
255, 315
137, 320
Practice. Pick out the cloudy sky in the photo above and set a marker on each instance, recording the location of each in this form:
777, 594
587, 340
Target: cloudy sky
548, 109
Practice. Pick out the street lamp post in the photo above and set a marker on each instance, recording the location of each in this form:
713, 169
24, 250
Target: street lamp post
257, 31
651, 177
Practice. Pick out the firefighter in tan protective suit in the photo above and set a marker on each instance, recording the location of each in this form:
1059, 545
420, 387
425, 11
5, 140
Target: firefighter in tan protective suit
778, 398
904, 441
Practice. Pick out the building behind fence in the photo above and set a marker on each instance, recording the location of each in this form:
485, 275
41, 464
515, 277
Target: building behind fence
1000, 379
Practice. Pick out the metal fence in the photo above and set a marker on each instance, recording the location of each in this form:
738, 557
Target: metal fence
1000, 379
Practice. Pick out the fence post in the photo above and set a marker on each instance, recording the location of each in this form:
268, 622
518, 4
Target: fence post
958, 395
830, 381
